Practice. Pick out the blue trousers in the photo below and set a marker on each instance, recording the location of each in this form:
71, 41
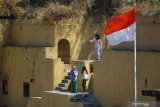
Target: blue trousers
73, 86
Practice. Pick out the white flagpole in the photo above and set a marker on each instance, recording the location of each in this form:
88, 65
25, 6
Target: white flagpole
135, 72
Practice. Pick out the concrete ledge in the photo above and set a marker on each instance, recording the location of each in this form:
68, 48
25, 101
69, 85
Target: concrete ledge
34, 102
58, 99
65, 93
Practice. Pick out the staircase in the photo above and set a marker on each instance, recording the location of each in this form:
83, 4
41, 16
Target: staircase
85, 99
65, 83
62, 94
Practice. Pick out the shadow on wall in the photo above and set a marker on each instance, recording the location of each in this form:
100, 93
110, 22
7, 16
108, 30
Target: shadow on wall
90, 85
4, 26
1, 37
87, 30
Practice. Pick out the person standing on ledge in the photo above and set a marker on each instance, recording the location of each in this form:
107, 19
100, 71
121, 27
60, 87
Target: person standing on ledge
98, 46
74, 74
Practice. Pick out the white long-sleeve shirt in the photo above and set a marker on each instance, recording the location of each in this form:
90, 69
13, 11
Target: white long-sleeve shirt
98, 43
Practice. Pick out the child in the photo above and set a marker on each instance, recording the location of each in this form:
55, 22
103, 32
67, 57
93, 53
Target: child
84, 77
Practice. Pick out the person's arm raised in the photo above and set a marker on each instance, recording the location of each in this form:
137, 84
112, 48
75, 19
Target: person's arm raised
92, 40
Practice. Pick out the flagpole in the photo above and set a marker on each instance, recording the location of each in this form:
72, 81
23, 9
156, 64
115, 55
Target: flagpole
135, 73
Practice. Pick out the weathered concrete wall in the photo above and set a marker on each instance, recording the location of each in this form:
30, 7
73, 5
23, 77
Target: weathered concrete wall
114, 77
22, 64
76, 31
52, 99
0, 54
58, 72
34, 102
30, 33
26, 56
4, 32
0, 59
1, 33
114, 74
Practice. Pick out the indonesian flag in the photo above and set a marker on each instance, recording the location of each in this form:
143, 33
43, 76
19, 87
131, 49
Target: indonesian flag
121, 28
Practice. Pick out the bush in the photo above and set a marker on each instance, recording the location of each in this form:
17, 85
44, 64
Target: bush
9, 8
148, 8
58, 12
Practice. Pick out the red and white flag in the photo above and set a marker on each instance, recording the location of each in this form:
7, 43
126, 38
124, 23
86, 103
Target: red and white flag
121, 28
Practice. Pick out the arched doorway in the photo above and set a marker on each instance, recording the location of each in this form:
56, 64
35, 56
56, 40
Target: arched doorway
64, 50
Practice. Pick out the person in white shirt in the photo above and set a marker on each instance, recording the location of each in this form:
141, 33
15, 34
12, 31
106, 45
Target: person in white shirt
84, 77
98, 46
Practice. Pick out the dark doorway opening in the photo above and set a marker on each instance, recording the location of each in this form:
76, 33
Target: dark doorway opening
5, 87
25, 89
64, 51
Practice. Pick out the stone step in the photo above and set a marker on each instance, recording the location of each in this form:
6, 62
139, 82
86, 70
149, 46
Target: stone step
66, 81
61, 85
67, 77
57, 88
65, 85
61, 88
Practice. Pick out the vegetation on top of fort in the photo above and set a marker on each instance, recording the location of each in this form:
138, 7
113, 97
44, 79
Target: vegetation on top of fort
143, 7
61, 9
149, 8
54, 9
